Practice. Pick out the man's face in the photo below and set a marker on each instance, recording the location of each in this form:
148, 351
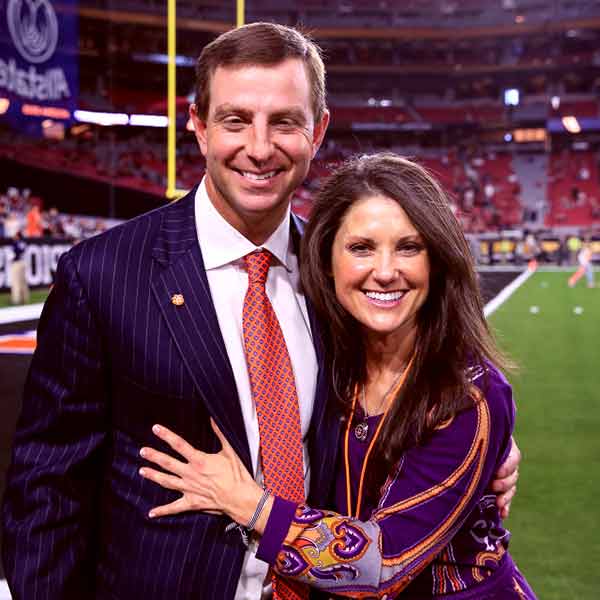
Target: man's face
258, 140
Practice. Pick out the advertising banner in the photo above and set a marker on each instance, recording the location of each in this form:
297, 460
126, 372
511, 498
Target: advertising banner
38, 61
41, 258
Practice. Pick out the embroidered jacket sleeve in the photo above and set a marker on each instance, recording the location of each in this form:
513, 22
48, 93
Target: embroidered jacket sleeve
423, 504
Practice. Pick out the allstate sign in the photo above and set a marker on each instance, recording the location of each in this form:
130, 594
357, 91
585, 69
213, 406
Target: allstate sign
33, 28
39, 52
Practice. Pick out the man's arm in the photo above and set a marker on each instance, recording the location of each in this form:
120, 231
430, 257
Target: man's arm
505, 484
51, 499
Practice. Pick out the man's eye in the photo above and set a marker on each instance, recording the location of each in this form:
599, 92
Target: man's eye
233, 122
286, 123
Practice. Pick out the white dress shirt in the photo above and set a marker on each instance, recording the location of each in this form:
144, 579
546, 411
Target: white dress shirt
223, 248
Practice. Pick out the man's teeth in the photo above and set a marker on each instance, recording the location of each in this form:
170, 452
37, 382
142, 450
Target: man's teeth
257, 176
385, 296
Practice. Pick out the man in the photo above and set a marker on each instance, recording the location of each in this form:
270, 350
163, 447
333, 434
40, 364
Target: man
144, 326
19, 290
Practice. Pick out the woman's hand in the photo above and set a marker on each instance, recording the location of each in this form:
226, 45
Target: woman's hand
217, 483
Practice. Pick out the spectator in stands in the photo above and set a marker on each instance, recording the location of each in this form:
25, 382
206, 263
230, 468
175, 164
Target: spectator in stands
574, 245
3, 215
595, 205
53, 224
12, 224
34, 227
19, 290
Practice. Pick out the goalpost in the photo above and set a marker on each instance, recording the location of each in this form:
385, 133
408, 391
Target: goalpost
172, 192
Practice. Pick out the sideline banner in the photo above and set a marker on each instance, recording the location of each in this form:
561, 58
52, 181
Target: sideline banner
41, 258
39, 61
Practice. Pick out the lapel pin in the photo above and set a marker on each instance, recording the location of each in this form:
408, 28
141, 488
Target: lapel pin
177, 299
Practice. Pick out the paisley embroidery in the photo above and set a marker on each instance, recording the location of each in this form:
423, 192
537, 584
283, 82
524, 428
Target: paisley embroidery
335, 572
290, 562
350, 542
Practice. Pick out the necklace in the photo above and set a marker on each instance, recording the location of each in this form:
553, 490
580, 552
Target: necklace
361, 430
398, 385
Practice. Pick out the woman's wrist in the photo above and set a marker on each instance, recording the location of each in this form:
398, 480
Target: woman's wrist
245, 503
261, 522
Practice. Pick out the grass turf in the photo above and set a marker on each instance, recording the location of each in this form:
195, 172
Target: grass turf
555, 518
36, 296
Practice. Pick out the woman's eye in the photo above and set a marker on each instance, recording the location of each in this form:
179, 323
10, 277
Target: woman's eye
411, 248
358, 248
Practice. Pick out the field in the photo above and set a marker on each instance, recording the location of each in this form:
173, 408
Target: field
555, 519
36, 296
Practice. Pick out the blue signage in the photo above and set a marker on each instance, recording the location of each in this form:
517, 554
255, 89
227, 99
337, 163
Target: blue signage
39, 56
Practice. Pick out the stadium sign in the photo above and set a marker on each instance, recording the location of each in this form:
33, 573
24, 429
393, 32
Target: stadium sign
39, 50
32, 85
41, 258
33, 27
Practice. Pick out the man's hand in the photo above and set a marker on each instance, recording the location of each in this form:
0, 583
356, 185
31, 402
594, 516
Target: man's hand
505, 484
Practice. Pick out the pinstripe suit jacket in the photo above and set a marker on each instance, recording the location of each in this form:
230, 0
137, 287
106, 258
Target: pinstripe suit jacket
114, 357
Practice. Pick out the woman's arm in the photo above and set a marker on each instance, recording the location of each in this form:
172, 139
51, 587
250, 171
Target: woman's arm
423, 504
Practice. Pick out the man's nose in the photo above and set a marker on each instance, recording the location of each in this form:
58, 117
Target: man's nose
259, 146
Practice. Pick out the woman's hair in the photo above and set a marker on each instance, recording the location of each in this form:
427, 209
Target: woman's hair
452, 333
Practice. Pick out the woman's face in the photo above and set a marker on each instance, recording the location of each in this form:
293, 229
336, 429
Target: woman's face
380, 267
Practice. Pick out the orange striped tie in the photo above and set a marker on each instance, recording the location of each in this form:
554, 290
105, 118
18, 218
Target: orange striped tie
274, 392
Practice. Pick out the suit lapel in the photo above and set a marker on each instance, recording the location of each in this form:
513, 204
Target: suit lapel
193, 324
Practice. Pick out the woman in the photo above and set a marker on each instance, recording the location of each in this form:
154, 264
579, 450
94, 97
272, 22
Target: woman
428, 415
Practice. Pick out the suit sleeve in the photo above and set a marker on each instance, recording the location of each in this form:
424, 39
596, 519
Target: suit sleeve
50, 506
423, 505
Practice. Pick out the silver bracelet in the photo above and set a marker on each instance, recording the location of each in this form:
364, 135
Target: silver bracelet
247, 530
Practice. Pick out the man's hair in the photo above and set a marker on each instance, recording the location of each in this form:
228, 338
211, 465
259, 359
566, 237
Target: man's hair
264, 44
452, 333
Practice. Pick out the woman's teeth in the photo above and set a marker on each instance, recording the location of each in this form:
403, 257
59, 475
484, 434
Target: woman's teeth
385, 296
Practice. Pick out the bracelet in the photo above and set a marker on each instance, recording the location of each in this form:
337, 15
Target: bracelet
259, 508
247, 530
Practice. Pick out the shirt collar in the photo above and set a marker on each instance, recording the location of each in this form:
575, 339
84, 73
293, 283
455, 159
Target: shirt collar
221, 243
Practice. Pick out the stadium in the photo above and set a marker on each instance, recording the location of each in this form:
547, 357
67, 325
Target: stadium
499, 100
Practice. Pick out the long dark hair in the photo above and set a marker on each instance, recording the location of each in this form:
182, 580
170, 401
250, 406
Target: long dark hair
452, 333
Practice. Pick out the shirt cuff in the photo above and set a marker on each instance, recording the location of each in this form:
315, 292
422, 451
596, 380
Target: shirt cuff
278, 525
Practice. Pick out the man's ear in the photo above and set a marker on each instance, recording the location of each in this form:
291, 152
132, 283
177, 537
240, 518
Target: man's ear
199, 128
319, 131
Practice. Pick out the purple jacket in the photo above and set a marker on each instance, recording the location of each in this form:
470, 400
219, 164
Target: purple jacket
435, 529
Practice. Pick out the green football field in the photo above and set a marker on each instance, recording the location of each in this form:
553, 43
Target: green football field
555, 518
36, 296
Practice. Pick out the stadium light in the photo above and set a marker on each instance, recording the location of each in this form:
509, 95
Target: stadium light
555, 102
511, 97
101, 118
571, 124
4, 105
149, 120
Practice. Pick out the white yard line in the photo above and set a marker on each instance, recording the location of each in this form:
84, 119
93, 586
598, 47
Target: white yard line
14, 314
507, 292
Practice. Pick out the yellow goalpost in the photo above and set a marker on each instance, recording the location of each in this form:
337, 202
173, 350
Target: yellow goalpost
172, 192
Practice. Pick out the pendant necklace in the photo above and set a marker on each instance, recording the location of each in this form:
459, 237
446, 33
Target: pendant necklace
361, 430
394, 389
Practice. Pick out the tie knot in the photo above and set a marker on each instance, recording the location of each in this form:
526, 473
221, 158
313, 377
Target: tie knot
257, 264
